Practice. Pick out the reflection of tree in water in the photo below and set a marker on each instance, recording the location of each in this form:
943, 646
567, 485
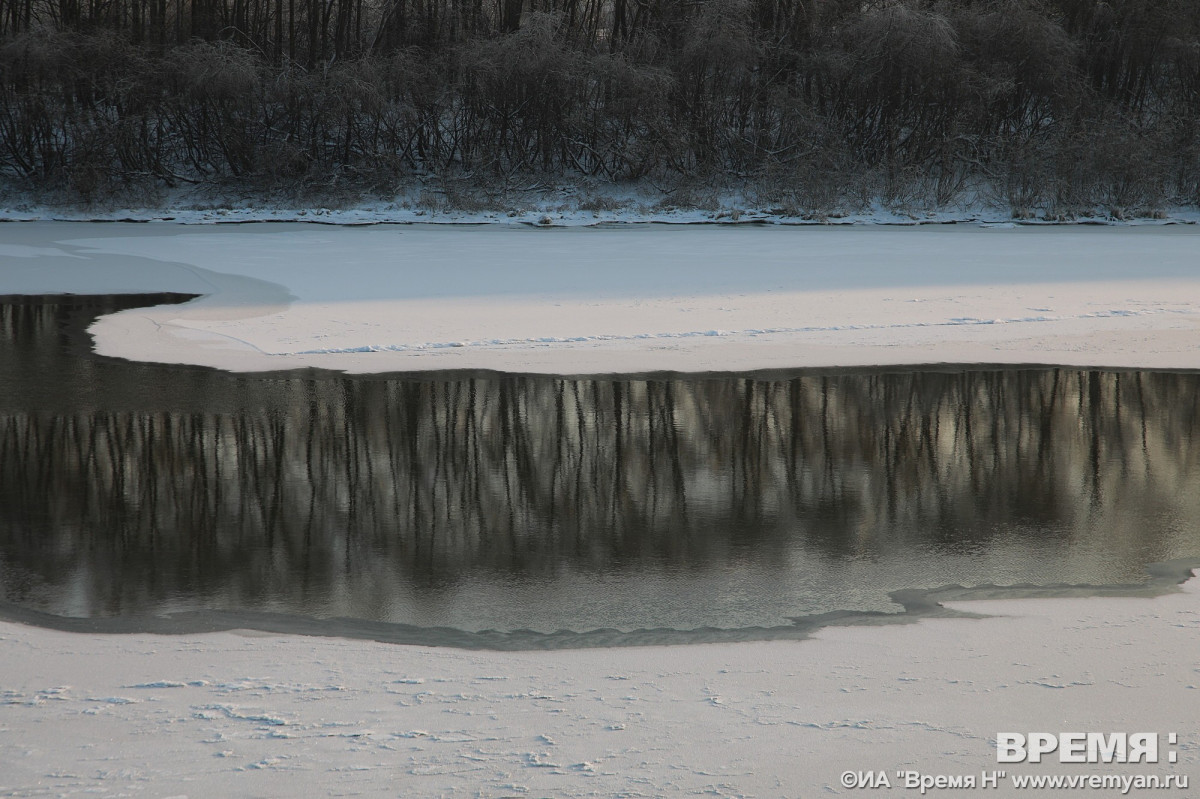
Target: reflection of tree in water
159, 483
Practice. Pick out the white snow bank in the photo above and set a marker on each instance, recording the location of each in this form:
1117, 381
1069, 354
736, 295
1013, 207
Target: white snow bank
628, 299
251, 715
560, 208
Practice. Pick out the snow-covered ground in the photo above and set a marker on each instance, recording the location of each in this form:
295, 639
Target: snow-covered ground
628, 299
241, 714
238, 714
563, 206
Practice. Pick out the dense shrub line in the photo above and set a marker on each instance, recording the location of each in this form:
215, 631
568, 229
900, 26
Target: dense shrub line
817, 104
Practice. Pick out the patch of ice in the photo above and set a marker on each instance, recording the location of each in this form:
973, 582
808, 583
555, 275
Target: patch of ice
536, 759
235, 713
158, 684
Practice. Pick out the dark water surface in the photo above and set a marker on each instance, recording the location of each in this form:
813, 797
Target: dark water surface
480, 502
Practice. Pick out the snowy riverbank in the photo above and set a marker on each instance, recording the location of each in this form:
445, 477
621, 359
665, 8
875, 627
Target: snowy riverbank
568, 208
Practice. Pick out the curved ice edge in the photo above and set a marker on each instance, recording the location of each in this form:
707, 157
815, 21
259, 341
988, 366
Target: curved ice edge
1164, 578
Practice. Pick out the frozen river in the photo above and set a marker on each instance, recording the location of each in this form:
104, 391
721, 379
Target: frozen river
636, 428
626, 300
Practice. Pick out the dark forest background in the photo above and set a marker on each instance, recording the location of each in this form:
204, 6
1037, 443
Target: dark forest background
1053, 107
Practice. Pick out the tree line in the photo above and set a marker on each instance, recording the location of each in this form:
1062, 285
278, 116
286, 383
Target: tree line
1051, 106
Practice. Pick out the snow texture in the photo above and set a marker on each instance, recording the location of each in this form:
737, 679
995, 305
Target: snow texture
232, 714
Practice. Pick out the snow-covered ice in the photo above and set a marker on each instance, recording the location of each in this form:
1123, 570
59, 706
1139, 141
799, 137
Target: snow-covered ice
239, 714
628, 299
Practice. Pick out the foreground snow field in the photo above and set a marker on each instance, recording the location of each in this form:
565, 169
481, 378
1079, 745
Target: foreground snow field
231, 714
247, 714
627, 299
